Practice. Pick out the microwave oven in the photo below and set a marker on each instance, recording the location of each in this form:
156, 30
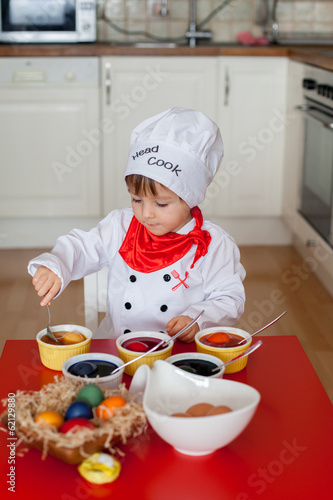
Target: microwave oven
47, 21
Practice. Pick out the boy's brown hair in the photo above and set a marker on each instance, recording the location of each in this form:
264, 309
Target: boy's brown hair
141, 185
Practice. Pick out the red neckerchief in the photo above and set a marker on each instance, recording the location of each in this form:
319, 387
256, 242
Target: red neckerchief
146, 253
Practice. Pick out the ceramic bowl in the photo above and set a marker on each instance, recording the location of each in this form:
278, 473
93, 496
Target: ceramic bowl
196, 357
110, 381
225, 353
167, 390
127, 355
53, 356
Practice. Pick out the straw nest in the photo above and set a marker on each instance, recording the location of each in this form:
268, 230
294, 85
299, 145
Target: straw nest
127, 422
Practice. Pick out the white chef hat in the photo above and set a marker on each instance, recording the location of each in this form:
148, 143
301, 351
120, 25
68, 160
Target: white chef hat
179, 148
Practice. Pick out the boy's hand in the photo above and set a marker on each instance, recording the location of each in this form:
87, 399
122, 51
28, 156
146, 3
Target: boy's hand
177, 323
47, 284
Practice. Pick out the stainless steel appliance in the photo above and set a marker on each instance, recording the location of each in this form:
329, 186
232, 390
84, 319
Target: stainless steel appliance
317, 178
47, 21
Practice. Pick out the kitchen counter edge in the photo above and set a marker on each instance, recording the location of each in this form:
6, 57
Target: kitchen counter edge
321, 56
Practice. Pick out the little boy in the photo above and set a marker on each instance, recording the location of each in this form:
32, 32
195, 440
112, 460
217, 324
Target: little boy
165, 262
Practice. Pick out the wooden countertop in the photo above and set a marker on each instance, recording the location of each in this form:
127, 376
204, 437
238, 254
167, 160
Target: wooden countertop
321, 56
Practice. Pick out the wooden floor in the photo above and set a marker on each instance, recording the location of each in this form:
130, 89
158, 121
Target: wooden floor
277, 280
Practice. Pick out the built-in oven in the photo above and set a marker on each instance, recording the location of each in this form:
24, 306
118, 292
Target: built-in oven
316, 204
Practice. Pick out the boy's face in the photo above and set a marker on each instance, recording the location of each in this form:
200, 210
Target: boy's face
163, 213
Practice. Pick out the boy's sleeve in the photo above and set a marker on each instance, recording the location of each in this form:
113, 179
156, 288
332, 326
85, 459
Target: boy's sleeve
223, 276
79, 253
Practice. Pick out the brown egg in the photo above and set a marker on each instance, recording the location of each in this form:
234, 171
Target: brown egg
217, 410
180, 415
199, 410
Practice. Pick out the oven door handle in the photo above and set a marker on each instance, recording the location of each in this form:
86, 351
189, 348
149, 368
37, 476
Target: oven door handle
317, 115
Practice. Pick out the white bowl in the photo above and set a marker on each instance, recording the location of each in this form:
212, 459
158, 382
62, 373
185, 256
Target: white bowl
168, 390
110, 381
198, 356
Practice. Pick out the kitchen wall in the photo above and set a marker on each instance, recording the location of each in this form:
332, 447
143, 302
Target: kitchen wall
315, 16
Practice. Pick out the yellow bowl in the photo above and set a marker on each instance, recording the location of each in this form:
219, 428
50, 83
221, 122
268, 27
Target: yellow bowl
225, 353
53, 356
149, 359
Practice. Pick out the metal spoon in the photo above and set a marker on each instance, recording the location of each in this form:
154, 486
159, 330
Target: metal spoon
48, 329
245, 353
261, 329
165, 343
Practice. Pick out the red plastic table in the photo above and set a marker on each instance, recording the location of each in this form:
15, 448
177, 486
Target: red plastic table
284, 453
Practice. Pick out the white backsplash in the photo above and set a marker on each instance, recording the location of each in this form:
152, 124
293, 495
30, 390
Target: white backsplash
144, 16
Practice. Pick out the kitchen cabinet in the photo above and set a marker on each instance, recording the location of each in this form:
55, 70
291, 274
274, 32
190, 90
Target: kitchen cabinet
65, 143
245, 96
251, 116
293, 144
135, 88
50, 145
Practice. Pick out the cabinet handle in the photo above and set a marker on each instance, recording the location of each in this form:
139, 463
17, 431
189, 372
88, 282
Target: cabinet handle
226, 87
108, 83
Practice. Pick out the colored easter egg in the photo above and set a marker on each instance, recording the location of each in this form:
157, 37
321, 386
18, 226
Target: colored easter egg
100, 468
78, 409
50, 418
83, 368
218, 338
73, 338
137, 346
107, 407
74, 424
90, 394
187, 368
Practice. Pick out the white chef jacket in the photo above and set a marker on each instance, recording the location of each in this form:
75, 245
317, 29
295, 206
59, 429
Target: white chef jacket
147, 301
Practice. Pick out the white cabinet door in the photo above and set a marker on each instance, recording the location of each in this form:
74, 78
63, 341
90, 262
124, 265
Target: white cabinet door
136, 88
50, 151
253, 123
294, 143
